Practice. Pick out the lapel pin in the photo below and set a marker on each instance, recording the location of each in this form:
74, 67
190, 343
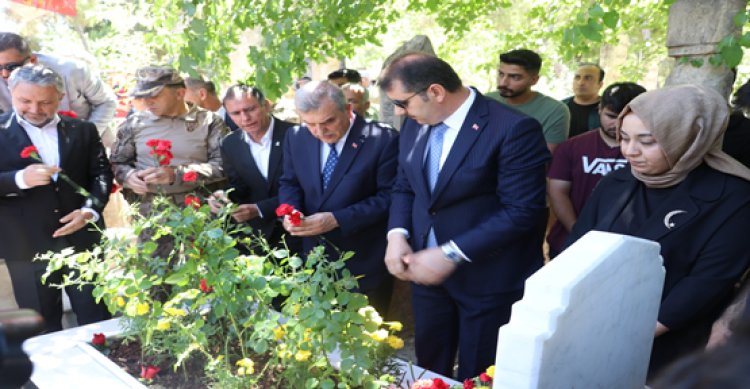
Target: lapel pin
475, 127
668, 218
355, 145
277, 144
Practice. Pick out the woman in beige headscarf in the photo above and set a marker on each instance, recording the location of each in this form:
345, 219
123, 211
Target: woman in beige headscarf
684, 192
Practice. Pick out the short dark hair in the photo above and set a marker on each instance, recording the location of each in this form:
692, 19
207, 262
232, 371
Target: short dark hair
197, 83
601, 71
351, 75
616, 96
527, 59
417, 71
9, 40
237, 91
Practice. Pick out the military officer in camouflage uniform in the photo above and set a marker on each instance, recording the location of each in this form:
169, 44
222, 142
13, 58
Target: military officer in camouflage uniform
195, 134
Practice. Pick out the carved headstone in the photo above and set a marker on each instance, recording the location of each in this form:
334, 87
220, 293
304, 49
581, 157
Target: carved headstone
586, 320
419, 43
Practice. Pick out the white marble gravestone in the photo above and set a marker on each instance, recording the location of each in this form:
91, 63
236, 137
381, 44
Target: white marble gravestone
586, 320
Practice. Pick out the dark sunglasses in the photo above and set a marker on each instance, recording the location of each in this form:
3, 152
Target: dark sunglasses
405, 102
13, 65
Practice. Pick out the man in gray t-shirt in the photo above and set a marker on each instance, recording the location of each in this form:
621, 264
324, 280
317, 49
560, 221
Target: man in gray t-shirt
517, 73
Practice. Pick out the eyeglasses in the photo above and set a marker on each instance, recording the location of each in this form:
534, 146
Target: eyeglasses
13, 65
405, 102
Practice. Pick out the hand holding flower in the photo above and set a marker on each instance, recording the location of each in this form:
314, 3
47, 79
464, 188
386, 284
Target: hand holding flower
315, 224
135, 182
163, 175
39, 174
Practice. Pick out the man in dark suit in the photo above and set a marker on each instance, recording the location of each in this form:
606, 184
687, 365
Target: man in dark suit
468, 212
338, 171
252, 161
40, 211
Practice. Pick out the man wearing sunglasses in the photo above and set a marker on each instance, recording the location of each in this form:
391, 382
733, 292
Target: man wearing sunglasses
84, 93
467, 212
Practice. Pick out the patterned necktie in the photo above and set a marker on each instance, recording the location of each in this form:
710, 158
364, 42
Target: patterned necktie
331, 161
436, 149
433, 167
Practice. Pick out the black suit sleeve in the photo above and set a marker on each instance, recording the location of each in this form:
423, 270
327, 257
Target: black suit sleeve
100, 173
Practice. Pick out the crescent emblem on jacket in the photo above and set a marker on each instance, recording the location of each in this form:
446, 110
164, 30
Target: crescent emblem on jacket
668, 218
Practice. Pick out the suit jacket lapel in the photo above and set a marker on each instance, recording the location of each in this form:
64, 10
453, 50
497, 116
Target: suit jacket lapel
468, 134
16, 135
274, 162
65, 141
352, 145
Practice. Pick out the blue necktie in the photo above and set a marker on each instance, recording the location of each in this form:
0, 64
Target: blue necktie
331, 161
433, 167
433, 157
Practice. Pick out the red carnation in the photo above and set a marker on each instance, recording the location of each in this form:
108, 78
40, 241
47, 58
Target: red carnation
115, 188
485, 378
164, 145
435, 383
284, 209
30, 151
469, 383
190, 176
149, 372
161, 149
204, 286
295, 218
99, 340
69, 114
152, 142
193, 201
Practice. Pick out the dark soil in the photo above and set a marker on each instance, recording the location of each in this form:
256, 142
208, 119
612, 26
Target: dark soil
128, 357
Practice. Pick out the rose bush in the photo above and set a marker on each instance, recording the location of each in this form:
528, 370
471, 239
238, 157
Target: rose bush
213, 298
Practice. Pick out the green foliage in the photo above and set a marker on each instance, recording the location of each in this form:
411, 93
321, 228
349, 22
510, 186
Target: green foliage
206, 299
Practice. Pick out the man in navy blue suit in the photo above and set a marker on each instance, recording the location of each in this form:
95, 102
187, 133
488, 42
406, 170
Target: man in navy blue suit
338, 171
468, 214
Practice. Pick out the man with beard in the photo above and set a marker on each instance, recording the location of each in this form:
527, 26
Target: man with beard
580, 162
517, 73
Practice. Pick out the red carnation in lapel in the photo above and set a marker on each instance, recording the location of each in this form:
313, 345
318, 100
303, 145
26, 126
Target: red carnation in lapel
69, 114
30, 152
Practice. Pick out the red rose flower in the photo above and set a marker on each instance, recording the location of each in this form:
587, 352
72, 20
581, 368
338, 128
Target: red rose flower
204, 286
30, 151
164, 145
295, 218
193, 201
69, 114
485, 378
469, 383
99, 340
284, 209
115, 188
190, 176
149, 372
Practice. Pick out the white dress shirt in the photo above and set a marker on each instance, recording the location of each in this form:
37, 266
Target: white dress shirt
47, 144
261, 151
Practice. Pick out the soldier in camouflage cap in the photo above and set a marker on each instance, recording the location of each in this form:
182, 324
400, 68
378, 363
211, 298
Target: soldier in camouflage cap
194, 132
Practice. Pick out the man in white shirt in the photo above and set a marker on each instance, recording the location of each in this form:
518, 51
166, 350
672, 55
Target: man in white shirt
40, 211
252, 161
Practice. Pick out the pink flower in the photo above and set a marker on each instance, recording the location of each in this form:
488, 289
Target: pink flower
190, 176
485, 378
435, 383
30, 151
99, 340
204, 286
149, 372
193, 201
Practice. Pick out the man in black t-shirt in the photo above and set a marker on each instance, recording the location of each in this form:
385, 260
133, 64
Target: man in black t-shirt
584, 104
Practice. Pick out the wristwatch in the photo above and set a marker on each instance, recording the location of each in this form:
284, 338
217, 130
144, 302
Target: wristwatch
451, 254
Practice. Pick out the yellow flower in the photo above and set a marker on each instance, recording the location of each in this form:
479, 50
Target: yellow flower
175, 312
120, 301
302, 355
379, 335
482, 387
278, 332
491, 371
306, 335
395, 342
163, 325
395, 326
246, 366
141, 309
370, 313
